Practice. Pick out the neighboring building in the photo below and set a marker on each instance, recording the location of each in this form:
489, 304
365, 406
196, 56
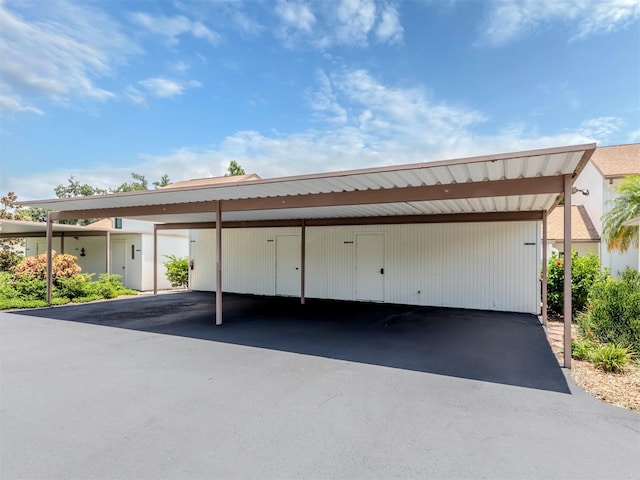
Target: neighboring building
605, 171
131, 247
584, 236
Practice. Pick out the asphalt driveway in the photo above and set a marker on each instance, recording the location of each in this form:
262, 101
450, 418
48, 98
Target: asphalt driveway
150, 388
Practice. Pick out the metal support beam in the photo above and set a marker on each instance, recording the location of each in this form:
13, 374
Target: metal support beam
108, 251
302, 261
49, 257
62, 243
218, 263
155, 259
567, 271
544, 268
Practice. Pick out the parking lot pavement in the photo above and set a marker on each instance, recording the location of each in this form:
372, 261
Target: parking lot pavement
150, 388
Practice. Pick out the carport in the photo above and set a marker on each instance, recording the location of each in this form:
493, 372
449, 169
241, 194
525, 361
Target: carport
511, 187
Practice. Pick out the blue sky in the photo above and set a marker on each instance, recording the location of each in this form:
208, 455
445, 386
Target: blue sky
100, 89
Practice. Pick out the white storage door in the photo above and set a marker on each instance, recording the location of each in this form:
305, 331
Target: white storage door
370, 267
288, 265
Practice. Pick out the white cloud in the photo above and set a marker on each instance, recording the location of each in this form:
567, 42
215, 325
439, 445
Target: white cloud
389, 30
365, 123
510, 20
343, 22
165, 88
295, 15
136, 96
53, 51
10, 104
173, 27
324, 101
601, 128
354, 21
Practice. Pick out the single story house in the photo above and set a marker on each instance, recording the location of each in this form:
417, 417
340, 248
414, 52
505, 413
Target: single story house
130, 253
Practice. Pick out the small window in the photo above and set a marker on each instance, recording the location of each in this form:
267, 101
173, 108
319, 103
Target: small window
133, 252
118, 223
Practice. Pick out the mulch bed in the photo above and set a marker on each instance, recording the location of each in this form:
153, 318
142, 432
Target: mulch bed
621, 389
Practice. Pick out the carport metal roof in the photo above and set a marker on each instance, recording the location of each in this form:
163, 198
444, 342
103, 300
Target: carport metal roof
512, 186
24, 229
527, 181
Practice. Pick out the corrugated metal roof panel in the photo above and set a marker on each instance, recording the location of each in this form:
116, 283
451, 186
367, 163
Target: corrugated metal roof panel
550, 162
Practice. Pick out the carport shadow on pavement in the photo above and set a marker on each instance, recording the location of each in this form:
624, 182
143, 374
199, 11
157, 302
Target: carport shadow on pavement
498, 347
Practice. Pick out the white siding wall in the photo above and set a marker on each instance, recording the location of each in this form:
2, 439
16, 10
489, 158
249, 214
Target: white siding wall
591, 179
582, 248
474, 265
167, 245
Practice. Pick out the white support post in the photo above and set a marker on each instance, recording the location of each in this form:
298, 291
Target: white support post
218, 263
567, 271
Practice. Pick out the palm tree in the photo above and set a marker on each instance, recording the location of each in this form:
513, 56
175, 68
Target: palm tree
624, 207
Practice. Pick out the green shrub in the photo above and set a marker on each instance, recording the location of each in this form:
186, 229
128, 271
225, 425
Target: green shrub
25, 292
583, 349
7, 290
30, 288
87, 298
177, 270
6, 303
614, 312
109, 286
611, 357
585, 271
9, 259
73, 287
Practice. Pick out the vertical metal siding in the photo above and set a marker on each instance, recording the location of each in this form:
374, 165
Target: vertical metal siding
467, 265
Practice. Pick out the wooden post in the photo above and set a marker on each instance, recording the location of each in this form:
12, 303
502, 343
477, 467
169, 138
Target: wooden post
544, 268
49, 257
567, 271
218, 263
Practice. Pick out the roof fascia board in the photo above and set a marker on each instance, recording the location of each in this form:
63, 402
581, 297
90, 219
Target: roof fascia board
518, 186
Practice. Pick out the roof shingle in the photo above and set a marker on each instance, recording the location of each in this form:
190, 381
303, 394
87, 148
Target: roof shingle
582, 229
618, 160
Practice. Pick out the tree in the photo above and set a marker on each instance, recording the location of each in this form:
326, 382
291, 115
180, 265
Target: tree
9, 247
624, 207
234, 169
75, 189
163, 182
138, 184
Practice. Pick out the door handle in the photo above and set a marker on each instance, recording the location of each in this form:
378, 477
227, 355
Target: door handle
382, 271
